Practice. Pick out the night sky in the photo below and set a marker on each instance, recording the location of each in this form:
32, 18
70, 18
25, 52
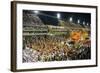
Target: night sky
50, 17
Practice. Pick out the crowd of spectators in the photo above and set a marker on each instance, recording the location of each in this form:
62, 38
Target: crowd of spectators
54, 48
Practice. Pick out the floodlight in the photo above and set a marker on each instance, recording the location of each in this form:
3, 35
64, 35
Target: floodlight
58, 15
36, 11
78, 21
70, 19
83, 22
87, 24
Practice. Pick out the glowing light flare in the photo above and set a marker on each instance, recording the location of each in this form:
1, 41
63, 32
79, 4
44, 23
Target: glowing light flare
87, 24
70, 19
58, 15
83, 22
78, 21
36, 11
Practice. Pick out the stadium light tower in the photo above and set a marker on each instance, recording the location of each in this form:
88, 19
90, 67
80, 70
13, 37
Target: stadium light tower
70, 19
36, 11
78, 21
58, 15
